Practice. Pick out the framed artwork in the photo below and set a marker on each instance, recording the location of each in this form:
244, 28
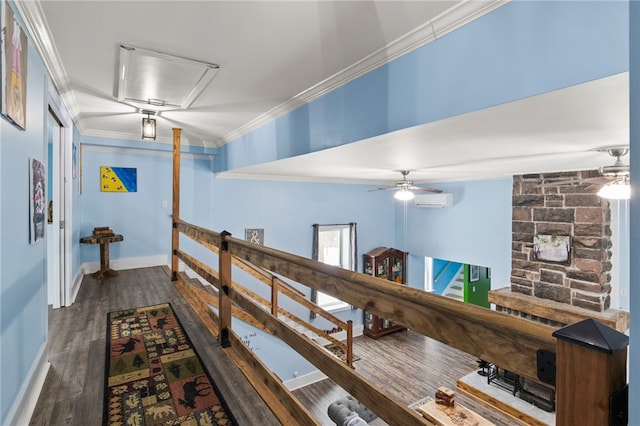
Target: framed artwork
118, 179
474, 273
254, 235
36, 200
14, 68
552, 248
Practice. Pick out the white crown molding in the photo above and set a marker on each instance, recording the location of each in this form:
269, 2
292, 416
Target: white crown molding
457, 16
33, 18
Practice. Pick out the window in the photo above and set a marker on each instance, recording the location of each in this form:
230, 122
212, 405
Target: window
334, 245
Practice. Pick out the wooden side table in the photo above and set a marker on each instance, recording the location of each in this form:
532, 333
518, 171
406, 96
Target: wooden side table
104, 241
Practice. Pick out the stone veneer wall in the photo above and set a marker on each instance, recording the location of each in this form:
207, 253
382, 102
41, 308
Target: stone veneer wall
571, 209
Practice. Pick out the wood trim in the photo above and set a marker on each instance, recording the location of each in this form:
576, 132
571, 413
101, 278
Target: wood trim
492, 336
556, 311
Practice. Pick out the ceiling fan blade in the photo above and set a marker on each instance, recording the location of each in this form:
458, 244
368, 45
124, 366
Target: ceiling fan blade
424, 189
391, 188
594, 180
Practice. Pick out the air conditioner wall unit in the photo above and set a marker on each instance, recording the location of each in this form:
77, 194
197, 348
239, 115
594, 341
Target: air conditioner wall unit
442, 199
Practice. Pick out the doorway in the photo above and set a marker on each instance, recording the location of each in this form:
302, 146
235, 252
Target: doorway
55, 259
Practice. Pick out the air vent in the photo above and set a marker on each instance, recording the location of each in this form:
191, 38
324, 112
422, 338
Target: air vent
162, 81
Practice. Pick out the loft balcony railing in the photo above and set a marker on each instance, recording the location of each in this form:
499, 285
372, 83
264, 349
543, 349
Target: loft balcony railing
586, 377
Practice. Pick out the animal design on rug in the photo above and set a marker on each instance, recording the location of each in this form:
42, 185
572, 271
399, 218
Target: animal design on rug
160, 412
192, 390
162, 322
128, 346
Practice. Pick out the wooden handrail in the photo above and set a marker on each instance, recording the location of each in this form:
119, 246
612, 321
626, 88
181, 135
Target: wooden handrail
492, 336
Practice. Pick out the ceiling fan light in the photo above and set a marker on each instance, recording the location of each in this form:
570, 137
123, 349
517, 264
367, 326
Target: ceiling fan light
404, 195
619, 190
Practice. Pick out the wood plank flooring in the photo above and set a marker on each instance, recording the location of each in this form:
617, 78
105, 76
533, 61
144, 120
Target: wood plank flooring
405, 364
409, 367
74, 388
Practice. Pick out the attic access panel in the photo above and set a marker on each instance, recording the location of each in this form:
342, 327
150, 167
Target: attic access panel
161, 80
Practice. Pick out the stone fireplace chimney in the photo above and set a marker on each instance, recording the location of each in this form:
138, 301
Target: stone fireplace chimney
570, 210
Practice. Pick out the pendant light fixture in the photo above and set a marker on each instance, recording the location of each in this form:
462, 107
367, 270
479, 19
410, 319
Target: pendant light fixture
148, 126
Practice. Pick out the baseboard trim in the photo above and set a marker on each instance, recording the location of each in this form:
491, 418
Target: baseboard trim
317, 375
304, 380
22, 409
76, 287
128, 263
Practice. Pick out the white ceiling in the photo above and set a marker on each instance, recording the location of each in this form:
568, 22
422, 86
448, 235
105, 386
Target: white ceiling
275, 55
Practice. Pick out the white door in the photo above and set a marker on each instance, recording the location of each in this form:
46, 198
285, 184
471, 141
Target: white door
55, 218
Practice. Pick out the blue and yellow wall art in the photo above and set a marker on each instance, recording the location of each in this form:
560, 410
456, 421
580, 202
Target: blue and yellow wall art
118, 179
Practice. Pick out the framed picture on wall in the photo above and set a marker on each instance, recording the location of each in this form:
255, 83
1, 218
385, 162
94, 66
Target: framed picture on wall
552, 248
14, 67
474, 273
36, 200
254, 235
118, 179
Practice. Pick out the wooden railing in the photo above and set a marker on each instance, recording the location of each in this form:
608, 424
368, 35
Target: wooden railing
277, 286
510, 342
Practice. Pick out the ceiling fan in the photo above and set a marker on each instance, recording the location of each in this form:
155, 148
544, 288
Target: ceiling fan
405, 188
614, 178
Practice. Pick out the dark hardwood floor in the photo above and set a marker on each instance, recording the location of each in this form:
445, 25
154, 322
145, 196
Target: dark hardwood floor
73, 390
405, 364
409, 367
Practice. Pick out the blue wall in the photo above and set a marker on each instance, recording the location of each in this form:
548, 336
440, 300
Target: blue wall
476, 230
519, 50
23, 293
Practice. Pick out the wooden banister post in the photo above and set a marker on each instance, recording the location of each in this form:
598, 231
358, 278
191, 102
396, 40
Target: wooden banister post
274, 296
175, 212
224, 302
350, 343
591, 366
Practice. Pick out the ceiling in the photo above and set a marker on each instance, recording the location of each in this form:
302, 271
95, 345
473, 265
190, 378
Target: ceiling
274, 56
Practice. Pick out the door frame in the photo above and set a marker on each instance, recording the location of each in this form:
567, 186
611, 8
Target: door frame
64, 184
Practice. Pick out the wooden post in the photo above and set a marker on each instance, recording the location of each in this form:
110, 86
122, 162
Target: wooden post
224, 304
274, 296
175, 213
591, 365
350, 343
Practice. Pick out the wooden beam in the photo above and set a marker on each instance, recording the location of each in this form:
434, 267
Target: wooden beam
388, 408
499, 338
556, 311
175, 210
199, 234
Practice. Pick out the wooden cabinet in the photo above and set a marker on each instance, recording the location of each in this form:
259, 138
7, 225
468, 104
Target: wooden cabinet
389, 264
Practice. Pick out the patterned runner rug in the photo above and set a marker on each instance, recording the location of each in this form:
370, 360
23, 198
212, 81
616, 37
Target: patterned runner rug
154, 375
